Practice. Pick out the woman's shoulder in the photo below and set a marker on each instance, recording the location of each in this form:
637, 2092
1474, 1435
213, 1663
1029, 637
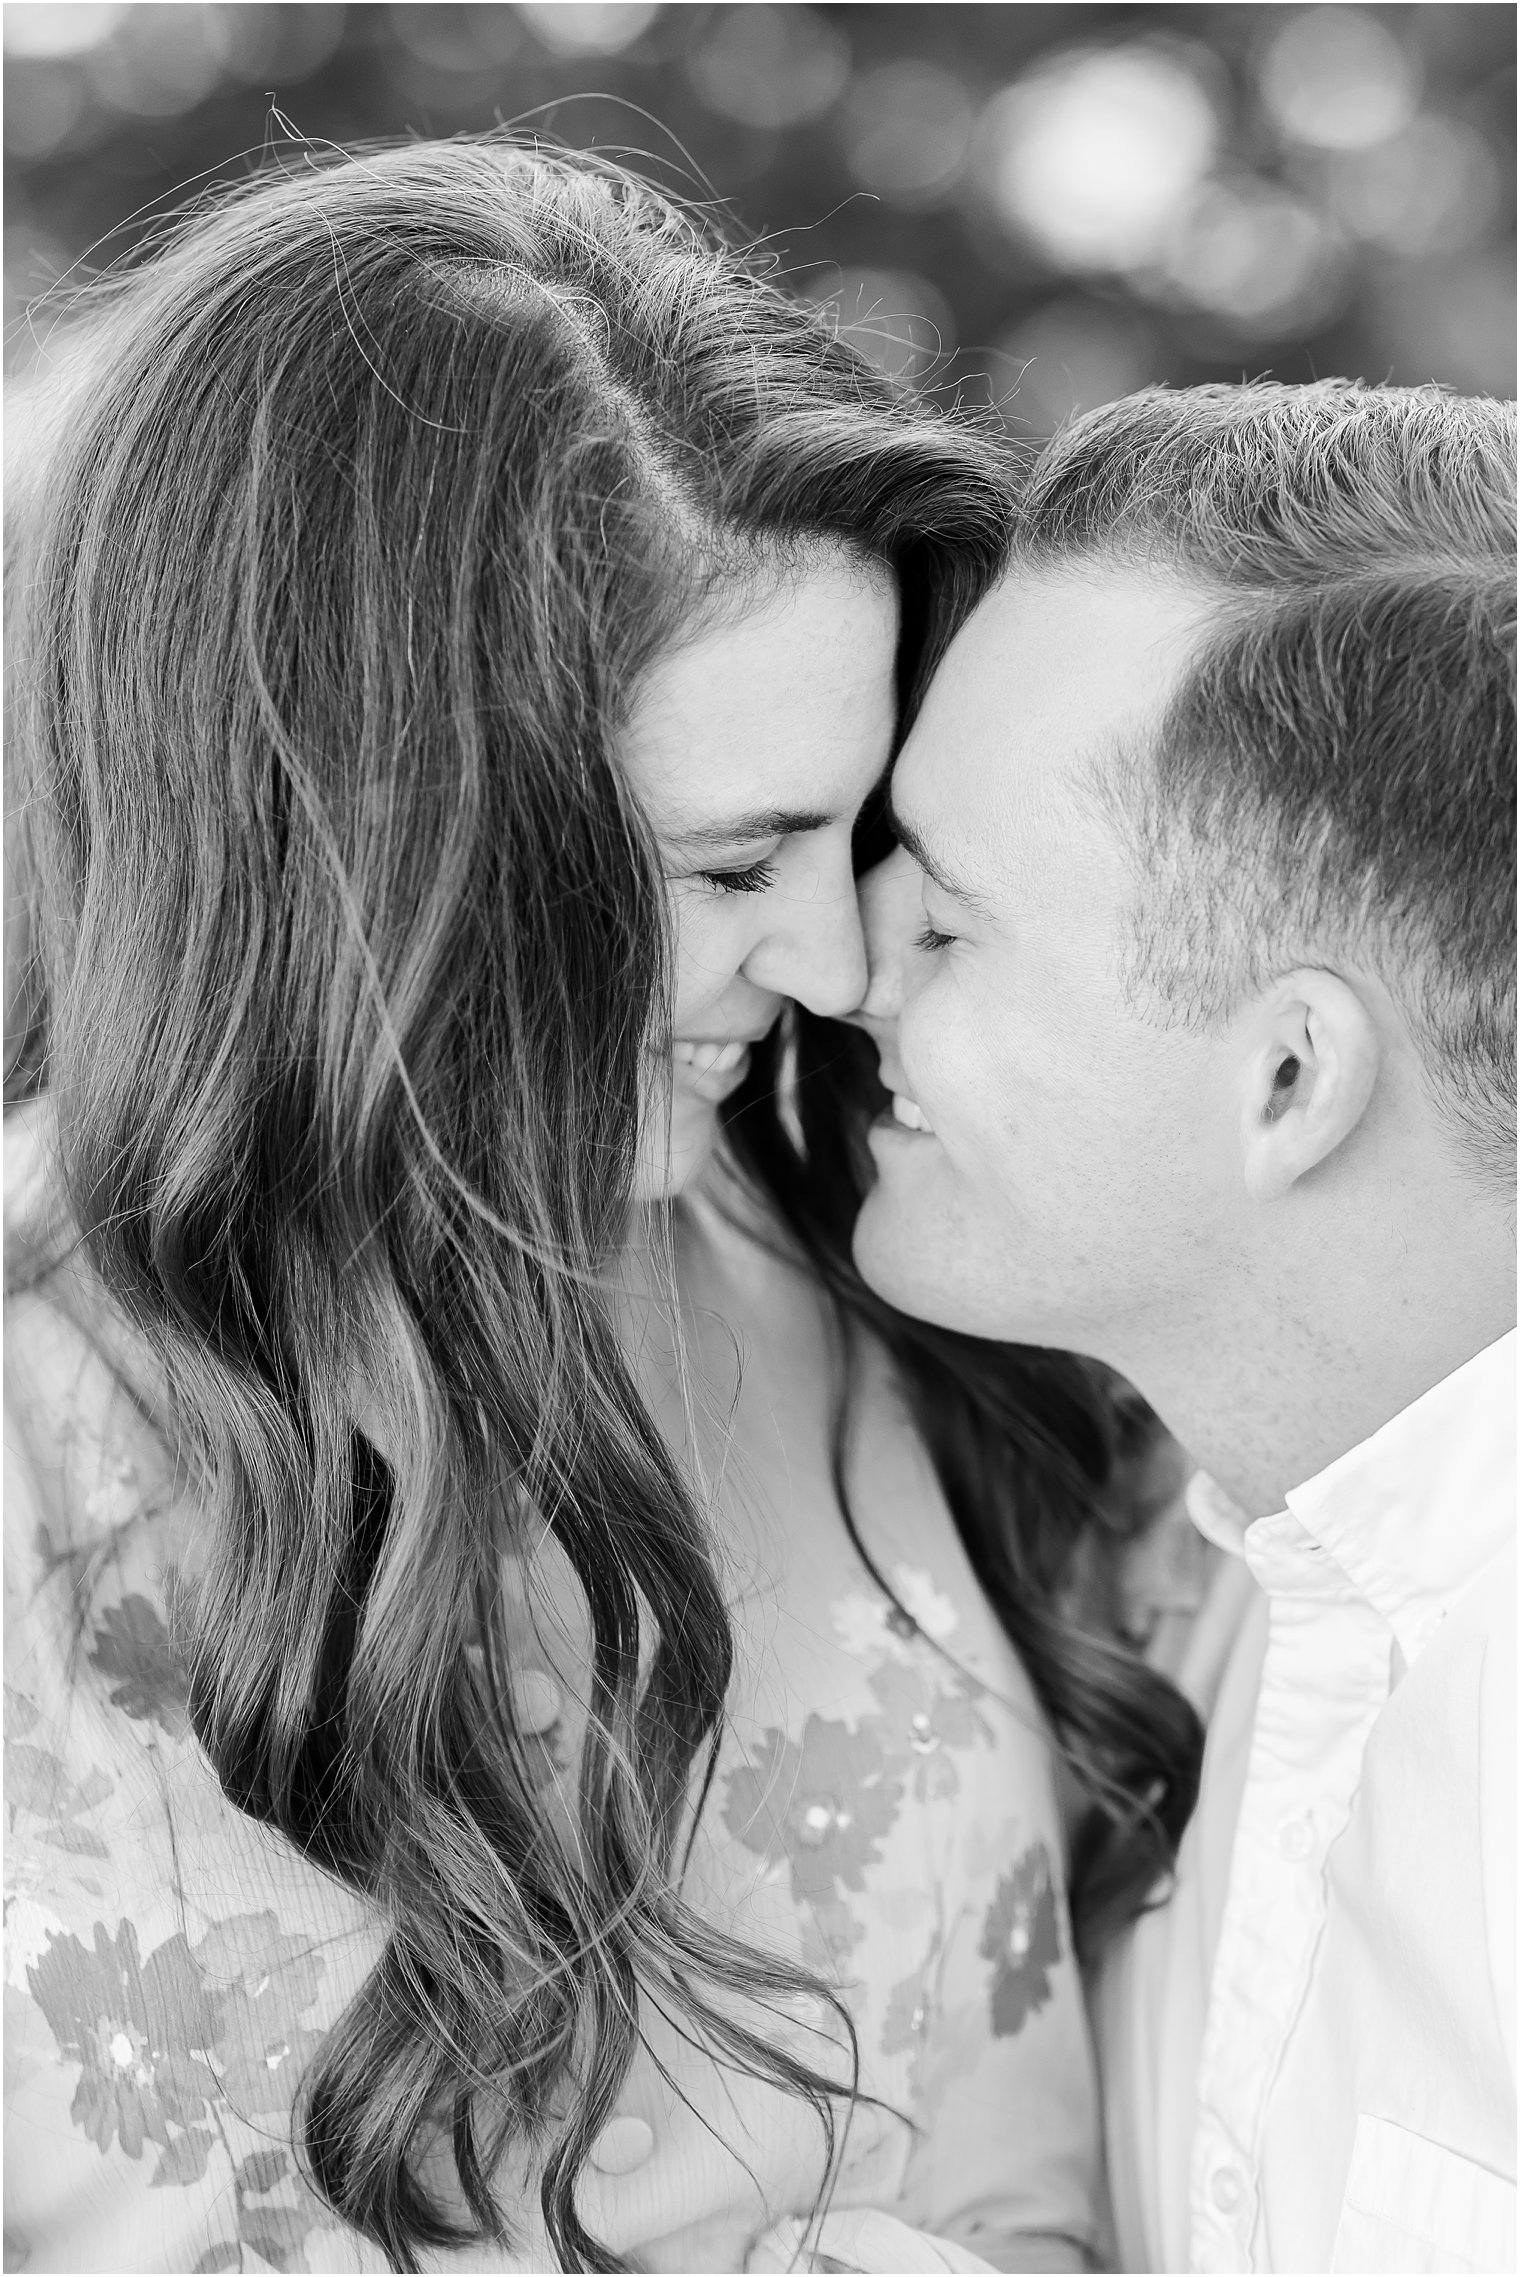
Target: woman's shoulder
170, 1966
170, 1969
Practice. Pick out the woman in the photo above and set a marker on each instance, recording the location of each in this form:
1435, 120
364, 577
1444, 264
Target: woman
460, 621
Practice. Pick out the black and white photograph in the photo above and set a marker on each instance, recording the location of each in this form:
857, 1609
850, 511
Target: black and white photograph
760, 1151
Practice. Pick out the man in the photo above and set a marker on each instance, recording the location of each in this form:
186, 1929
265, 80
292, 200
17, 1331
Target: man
1197, 1001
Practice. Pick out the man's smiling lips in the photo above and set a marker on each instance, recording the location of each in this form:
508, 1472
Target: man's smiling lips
908, 1115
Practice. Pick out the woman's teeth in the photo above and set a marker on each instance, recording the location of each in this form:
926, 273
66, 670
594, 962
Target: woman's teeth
709, 1059
911, 1117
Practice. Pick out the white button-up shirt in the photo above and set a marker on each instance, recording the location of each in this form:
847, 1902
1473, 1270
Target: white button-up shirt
1343, 2099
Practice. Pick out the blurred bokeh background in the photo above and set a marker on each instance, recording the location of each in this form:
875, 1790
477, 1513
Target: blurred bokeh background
1044, 205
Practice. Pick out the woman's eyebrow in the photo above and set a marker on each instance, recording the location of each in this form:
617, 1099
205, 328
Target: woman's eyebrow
768, 822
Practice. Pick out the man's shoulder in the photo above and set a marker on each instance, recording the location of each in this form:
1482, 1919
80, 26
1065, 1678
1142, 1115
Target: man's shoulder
1481, 1628
1487, 1603
1451, 1750
1488, 1609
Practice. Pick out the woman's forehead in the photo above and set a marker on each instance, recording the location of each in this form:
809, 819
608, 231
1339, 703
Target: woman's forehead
777, 710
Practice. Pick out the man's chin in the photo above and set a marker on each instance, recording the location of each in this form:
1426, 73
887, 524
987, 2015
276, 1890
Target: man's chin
898, 1256
932, 1257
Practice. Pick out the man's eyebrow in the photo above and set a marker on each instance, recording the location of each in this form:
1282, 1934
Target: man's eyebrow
935, 870
767, 822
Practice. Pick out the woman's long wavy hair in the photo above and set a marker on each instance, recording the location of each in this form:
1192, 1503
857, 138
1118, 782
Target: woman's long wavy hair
371, 494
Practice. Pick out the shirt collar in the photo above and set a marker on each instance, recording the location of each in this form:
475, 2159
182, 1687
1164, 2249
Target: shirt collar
1414, 1512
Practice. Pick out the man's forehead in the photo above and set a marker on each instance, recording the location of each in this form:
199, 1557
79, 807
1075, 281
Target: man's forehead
1055, 662
1056, 668
1073, 637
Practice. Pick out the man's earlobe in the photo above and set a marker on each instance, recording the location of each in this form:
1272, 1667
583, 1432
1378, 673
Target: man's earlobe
1310, 1075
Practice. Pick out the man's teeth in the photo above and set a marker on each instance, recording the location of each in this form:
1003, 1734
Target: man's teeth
911, 1116
710, 1059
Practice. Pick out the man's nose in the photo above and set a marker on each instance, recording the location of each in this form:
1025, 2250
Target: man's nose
891, 917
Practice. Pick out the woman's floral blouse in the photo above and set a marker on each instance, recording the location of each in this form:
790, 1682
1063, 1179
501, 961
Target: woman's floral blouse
883, 1812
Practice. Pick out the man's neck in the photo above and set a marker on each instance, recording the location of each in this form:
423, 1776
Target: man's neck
1296, 1375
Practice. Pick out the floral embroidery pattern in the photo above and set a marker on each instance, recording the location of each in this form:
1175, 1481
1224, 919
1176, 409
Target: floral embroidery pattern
826, 1808
175, 2049
870, 1626
39, 1788
916, 1593
130, 2025
928, 1715
116, 1497
265, 1982
1021, 1937
907, 2013
823, 1807
863, 1622
131, 1650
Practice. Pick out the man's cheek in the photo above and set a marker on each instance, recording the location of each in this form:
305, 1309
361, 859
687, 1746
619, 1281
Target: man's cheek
939, 1068
960, 1094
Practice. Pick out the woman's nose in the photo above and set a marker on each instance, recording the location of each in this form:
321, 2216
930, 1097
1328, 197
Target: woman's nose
818, 954
835, 980
891, 916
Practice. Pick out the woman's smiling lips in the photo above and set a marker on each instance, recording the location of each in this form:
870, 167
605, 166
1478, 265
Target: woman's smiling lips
710, 1067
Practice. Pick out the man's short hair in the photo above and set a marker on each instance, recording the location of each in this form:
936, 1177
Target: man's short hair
1335, 775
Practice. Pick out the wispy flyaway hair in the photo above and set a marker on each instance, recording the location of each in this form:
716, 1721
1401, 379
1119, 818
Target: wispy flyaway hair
365, 501
369, 496
1336, 773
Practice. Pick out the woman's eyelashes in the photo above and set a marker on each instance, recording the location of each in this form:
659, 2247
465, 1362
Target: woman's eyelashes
753, 878
931, 939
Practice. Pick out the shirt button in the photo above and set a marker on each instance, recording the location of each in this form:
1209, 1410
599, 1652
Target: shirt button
622, 2145
1226, 2189
1295, 1839
535, 1699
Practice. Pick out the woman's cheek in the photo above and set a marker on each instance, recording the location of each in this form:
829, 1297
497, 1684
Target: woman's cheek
705, 961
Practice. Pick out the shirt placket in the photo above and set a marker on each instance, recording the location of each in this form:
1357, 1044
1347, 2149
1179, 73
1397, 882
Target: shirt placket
1324, 1679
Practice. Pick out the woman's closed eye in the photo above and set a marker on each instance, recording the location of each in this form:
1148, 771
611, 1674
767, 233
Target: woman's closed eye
931, 938
755, 877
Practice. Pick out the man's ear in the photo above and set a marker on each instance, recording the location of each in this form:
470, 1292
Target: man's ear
1312, 1068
